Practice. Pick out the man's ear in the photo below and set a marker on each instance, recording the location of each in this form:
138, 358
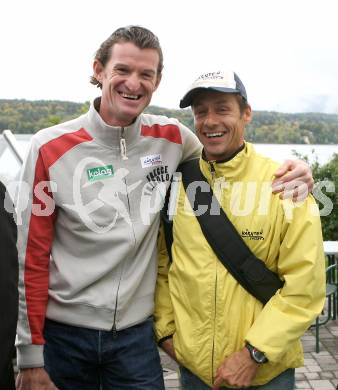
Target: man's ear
98, 69
158, 80
247, 114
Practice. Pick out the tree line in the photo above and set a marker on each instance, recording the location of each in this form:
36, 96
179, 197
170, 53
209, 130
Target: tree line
24, 116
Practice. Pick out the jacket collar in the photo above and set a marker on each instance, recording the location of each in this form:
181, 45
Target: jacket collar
231, 168
226, 159
107, 135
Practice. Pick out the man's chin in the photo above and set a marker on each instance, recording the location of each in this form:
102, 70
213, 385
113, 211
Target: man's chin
215, 154
133, 112
128, 115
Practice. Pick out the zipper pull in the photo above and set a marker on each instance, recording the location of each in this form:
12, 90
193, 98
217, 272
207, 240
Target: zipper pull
212, 170
123, 146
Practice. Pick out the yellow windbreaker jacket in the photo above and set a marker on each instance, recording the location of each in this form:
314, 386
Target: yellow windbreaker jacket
209, 314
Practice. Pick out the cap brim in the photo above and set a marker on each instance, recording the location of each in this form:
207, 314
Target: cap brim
187, 99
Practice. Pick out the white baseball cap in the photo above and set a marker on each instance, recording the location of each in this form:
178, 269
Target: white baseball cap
222, 81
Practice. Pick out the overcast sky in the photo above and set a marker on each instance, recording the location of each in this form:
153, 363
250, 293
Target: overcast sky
285, 51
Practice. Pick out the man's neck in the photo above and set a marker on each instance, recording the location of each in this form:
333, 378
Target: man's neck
224, 159
106, 117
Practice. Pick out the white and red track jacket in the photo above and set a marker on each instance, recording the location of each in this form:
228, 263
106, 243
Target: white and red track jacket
88, 220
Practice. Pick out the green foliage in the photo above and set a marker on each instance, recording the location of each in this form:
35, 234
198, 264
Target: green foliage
325, 193
323, 175
279, 128
23, 116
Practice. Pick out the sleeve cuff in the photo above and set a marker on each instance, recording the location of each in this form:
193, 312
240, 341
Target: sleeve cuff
164, 339
30, 356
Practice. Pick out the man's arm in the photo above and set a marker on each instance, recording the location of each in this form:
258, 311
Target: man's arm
35, 236
163, 314
288, 314
293, 180
8, 290
301, 264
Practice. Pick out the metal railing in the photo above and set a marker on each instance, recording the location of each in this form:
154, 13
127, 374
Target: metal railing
12, 143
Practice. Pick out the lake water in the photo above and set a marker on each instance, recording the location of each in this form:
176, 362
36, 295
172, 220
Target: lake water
9, 167
281, 152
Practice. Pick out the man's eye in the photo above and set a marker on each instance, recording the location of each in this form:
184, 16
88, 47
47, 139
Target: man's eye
122, 70
199, 113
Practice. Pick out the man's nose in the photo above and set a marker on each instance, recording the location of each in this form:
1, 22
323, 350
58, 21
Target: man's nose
210, 120
133, 82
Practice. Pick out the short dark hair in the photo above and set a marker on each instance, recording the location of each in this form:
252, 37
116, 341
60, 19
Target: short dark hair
243, 104
139, 36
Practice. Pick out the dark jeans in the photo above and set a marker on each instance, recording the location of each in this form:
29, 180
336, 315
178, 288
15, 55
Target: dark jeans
284, 381
86, 359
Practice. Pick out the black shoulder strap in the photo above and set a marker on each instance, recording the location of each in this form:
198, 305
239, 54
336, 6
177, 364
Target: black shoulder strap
224, 239
167, 224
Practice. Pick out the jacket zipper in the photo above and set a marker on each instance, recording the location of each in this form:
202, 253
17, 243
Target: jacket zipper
128, 200
114, 330
123, 148
212, 170
213, 174
213, 340
123, 145
123, 151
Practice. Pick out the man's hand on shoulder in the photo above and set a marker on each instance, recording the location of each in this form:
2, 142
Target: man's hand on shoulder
293, 180
237, 370
34, 379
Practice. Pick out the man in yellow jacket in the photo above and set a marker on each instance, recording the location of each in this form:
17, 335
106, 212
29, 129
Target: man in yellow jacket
220, 334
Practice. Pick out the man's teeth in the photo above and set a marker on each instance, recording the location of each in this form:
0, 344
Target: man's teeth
212, 135
128, 96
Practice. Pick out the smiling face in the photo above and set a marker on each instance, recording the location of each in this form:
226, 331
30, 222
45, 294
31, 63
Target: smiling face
219, 123
128, 81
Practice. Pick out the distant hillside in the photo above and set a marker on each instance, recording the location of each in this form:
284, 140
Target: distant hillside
23, 116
